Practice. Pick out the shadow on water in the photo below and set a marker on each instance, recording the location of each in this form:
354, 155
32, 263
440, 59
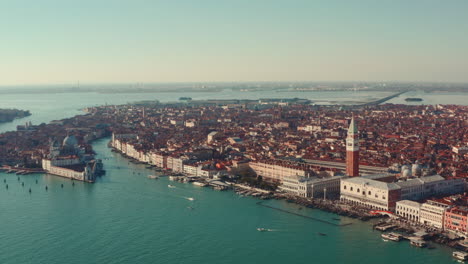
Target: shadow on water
304, 216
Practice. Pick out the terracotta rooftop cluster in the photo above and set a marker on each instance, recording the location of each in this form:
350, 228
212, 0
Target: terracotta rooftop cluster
27, 148
389, 134
433, 136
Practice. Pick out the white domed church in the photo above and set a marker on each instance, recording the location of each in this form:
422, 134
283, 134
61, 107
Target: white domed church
71, 161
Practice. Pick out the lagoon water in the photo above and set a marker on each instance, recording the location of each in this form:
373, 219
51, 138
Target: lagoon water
48, 107
127, 218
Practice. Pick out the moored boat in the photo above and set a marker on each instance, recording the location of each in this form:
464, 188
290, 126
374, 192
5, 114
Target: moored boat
460, 255
220, 188
201, 184
392, 236
174, 178
153, 176
384, 227
418, 243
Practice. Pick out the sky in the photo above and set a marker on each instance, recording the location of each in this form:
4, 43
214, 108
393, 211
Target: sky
133, 41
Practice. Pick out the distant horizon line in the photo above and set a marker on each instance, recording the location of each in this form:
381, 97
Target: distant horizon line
75, 84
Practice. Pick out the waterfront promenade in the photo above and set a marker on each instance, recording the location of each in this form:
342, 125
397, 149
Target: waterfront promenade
130, 217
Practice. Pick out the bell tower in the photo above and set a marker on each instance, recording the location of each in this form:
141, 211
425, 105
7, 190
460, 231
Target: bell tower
352, 150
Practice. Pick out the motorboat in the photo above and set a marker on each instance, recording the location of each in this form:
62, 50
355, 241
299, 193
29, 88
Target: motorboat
201, 184
170, 186
153, 176
261, 229
392, 236
418, 243
460, 255
191, 199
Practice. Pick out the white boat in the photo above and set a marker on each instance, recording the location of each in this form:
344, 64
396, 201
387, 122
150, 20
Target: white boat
201, 184
191, 199
170, 186
460, 255
392, 236
261, 229
153, 177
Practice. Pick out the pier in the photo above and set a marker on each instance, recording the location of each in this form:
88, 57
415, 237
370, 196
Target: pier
20, 171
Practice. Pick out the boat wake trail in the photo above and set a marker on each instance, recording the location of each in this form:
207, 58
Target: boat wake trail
261, 229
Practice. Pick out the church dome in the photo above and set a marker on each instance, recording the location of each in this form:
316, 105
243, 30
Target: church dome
406, 173
70, 141
416, 169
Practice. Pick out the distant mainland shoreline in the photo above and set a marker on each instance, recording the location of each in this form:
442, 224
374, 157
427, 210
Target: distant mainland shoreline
238, 87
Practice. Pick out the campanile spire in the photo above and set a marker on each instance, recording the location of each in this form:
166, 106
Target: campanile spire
352, 149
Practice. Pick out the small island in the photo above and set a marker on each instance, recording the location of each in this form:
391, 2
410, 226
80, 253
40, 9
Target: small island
413, 99
8, 115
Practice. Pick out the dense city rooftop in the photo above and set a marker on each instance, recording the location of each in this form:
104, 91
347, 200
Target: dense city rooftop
434, 137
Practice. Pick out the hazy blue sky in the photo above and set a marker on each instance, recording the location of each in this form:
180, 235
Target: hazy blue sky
62, 41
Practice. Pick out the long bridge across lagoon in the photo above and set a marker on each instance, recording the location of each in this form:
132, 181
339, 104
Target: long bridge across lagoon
377, 102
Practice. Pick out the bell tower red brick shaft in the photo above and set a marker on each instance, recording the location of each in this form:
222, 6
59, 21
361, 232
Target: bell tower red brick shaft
352, 150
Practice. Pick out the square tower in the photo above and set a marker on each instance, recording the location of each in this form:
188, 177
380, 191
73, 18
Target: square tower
352, 150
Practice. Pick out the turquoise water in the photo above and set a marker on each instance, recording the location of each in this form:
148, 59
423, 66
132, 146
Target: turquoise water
127, 218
